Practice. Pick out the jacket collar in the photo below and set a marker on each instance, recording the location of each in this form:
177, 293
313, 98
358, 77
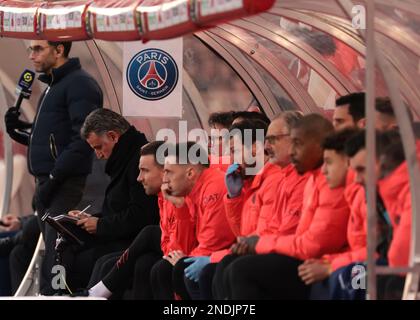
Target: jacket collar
205, 175
127, 146
315, 176
268, 170
289, 170
57, 74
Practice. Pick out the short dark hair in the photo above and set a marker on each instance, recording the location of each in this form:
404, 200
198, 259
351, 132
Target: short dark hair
385, 139
102, 120
384, 105
390, 150
66, 44
337, 140
181, 152
249, 115
315, 125
393, 156
151, 148
358, 142
248, 126
223, 118
356, 102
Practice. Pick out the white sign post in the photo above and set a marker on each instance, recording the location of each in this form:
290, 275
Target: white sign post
152, 79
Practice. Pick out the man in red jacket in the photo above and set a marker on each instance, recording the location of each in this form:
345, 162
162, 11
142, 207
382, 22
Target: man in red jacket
219, 124
275, 200
335, 168
250, 206
274, 272
245, 201
153, 242
394, 188
197, 192
339, 267
394, 222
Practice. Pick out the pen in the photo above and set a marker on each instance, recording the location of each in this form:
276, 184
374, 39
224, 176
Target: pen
83, 211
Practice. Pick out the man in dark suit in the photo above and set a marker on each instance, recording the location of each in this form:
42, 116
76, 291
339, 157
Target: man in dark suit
126, 208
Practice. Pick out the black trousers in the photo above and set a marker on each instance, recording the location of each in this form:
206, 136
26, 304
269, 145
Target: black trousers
270, 276
19, 261
135, 263
64, 199
168, 280
142, 288
80, 264
202, 290
220, 281
390, 287
103, 266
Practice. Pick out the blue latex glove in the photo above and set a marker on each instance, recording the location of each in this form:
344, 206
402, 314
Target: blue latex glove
193, 271
234, 181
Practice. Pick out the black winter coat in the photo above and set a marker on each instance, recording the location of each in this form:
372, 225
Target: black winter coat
55, 145
126, 208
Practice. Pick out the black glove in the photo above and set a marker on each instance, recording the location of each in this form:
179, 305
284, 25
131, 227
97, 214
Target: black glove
45, 192
11, 119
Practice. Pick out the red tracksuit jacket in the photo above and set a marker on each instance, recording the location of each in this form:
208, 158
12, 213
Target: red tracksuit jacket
356, 229
395, 192
322, 226
288, 204
178, 232
204, 206
256, 201
250, 211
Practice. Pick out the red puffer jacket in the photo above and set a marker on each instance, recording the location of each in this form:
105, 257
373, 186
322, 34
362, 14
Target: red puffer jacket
356, 229
322, 226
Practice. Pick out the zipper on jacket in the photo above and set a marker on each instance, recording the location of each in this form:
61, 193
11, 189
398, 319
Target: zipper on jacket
35, 122
53, 147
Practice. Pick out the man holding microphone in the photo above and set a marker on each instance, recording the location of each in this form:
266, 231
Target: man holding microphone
57, 156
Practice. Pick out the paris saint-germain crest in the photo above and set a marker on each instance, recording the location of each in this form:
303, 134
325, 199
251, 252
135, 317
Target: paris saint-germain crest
152, 74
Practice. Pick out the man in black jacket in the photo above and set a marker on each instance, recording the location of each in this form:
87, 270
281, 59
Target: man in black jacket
126, 209
57, 157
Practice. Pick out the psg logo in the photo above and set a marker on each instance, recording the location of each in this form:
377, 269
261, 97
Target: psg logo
152, 74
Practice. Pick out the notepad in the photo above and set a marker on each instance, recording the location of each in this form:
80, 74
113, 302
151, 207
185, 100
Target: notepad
66, 218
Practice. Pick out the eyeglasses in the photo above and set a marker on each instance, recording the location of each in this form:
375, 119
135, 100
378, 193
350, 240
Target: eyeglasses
36, 49
273, 138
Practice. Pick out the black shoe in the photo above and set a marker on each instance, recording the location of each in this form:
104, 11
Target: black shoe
6, 246
80, 293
